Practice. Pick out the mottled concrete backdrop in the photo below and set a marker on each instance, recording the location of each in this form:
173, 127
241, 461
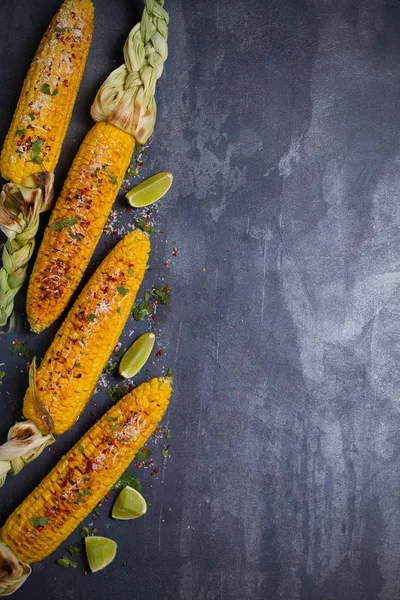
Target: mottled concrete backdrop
280, 120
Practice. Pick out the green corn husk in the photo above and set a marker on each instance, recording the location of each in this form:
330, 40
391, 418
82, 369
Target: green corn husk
20, 208
13, 572
126, 98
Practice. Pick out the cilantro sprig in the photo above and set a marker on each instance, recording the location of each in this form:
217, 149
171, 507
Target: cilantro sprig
22, 349
128, 478
157, 295
66, 563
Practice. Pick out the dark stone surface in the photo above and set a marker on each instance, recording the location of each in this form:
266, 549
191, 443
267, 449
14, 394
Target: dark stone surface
280, 121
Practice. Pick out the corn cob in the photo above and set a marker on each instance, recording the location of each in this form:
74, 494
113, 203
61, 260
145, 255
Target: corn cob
86, 198
82, 478
33, 144
125, 109
72, 365
44, 108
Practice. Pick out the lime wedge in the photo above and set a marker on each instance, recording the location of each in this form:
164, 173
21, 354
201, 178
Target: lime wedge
129, 505
150, 190
100, 552
137, 355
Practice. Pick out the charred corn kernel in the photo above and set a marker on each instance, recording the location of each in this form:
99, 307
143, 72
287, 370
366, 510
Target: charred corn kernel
77, 222
44, 109
72, 365
81, 479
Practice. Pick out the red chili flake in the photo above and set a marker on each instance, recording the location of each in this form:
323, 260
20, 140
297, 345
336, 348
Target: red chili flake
166, 264
89, 465
92, 414
140, 163
16, 341
158, 353
48, 513
138, 464
26, 368
155, 472
228, 250
157, 430
174, 251
108, 495
154, 317
128, 209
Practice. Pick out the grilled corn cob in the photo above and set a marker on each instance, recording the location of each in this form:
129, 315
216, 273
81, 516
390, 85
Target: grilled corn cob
72, 365
60, 389
82, 478
125, 110
33, 144
44, 108
86, 198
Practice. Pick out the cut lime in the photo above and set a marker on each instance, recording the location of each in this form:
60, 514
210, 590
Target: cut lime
100, 552
137, 355
129, 505
150, 190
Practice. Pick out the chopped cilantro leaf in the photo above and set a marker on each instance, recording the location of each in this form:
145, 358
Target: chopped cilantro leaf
2, 375
74, 236
22, 350
143, 454
161, 293
31, 116
131, 272
46, 90
128, 479
168, 372
39, 521
92, 317
73, 549
144, 226
167, 433
111, 419
63, 29
81, 496
35, 151
116, 392
165, 452
122, 290
109, 368
20, 131
80, 448
65, 562
113, 427
64, 223
141, 311
86, 531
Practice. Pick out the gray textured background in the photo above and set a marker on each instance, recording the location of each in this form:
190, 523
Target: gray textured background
280, 121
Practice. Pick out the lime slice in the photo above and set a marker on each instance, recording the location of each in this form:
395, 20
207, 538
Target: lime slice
129, 505
137, 355
100, 552
150, 190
